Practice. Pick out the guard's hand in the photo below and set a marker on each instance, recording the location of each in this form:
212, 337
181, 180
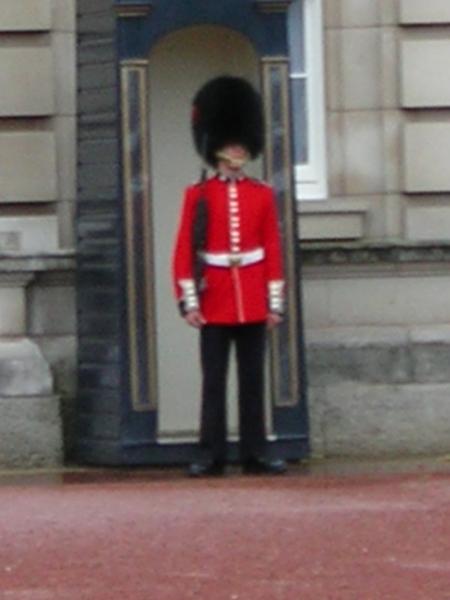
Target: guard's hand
194, 318
273, 320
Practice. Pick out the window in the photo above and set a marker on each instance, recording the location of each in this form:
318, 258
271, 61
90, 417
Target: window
307, 80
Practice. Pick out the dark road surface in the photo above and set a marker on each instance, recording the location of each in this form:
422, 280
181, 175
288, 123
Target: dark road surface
156, 535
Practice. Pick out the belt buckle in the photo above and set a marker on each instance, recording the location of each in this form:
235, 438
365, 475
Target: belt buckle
235, 261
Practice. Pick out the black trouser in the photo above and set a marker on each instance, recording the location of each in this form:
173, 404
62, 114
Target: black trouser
215, 342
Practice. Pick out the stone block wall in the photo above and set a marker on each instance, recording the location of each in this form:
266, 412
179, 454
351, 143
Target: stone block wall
376, 272
380, 391
378, 346
387, 99
37, 198
37, 117
363, 125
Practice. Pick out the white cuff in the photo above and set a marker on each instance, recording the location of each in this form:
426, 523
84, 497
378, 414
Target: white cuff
276, 296
189, 294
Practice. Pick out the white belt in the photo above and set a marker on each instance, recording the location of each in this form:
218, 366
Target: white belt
233, 259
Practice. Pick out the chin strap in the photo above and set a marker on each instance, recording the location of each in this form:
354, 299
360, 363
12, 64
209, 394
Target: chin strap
234, 163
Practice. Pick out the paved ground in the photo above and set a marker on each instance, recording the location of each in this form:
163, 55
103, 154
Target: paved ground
330, 533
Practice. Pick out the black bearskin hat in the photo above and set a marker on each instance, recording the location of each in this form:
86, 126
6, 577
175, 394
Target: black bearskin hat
227, 110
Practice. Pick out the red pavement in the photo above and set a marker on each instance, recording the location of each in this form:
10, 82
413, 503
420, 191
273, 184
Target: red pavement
158, 536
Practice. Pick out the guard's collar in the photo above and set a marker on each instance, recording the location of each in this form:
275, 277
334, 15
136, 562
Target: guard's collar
226, 178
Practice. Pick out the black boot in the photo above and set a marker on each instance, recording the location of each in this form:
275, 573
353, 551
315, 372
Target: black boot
261, 466
207, 468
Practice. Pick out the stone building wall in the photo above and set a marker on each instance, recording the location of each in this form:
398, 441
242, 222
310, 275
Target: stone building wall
37, 193
376, 251
387, 103
377, 274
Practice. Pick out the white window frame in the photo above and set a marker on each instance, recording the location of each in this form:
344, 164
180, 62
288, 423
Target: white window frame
311, 177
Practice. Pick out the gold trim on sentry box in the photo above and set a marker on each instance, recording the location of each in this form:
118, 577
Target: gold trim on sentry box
142, 399
269, 67
149, 275
129, 239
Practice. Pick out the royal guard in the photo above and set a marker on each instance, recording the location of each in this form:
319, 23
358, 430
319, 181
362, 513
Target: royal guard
227, 270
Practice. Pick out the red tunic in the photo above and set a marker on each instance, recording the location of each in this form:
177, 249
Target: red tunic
241, 217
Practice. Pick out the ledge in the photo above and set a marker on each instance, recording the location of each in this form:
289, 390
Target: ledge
60, 261
382, 355
373, 253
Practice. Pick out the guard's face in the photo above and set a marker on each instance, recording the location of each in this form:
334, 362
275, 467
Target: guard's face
235, 155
